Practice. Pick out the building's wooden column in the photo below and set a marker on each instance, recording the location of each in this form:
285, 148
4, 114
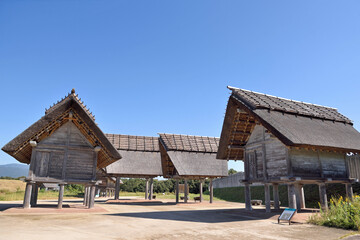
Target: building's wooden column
85, 195
300, 197
88, 196
151, 188
185, 191
147, 189
291, 196
61, 196
34, 195
177, 190
211, 191
248, 197
276, 196
323, 196
201, 190
117, 188
92, 196
27, 196
267, 197
349, 191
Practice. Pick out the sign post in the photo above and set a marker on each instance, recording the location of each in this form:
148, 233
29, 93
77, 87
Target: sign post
287, 215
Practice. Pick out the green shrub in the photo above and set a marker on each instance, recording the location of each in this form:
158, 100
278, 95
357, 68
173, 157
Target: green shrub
342, 213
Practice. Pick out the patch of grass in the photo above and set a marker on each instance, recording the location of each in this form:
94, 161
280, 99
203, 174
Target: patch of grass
167, 195
342, 213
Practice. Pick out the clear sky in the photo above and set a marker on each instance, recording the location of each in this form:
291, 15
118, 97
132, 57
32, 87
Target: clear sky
145, 67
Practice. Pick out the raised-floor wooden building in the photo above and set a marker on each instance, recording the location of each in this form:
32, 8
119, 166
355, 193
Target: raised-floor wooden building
282, 141
140, 159
191, 157
64, 147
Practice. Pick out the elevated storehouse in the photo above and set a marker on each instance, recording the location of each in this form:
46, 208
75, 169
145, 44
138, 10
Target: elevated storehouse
64, 147
282, 141
191, 157
140, 159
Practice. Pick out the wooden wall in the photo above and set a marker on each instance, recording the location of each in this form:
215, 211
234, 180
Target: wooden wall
266, 158
265, 153
65, 155
353, 163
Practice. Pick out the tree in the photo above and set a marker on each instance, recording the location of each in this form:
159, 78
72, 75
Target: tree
232, 171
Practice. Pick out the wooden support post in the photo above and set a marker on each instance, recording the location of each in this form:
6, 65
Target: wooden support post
88, 196
201, 190
301, 196
248, 197
291, 196
151, 188
267, 197
117, 188
61, 196
276, 196
211, 191
349, 191
177, 191
298, 196
27, 196
147, 189
323, 196
92, 196
34, 192
85, 195
185, 191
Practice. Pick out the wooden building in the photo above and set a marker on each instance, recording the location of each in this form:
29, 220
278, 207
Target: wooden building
282, 141
64, 147
191, 157
140, 159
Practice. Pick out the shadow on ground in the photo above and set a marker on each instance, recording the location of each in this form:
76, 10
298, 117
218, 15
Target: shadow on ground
203, 216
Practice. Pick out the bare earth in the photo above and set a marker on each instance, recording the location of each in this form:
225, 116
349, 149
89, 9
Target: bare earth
137, 219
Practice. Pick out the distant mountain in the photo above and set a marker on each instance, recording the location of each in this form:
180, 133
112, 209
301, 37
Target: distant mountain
14, 170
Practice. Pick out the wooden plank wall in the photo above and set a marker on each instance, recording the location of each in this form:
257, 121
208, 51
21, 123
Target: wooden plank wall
270, 154
353, 163
64, 155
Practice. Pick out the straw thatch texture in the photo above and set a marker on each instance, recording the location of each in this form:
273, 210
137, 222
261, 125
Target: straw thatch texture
58, 115
188, 143
194, 157
294, 123
140, 156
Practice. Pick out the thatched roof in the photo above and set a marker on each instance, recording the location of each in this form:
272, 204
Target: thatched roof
140, 156
54, 118
295, 123
185, 156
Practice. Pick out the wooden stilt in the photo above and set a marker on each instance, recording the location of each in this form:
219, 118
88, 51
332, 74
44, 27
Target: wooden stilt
211, 191
88, 196
92, 196
349, 191
117, 188
291, 196
61, 196
85, 195
147, 189
34, 191
323, 196
177, 190
185, 191
248, 197
201, 190
276, 196
151, 189
27, 196
267, 197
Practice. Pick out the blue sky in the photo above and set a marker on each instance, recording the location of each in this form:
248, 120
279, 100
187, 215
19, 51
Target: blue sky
145, 67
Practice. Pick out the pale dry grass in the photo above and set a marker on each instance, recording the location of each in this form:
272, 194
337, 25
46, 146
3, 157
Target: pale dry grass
12, 185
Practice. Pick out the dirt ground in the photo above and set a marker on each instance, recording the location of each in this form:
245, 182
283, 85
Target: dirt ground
137, 219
